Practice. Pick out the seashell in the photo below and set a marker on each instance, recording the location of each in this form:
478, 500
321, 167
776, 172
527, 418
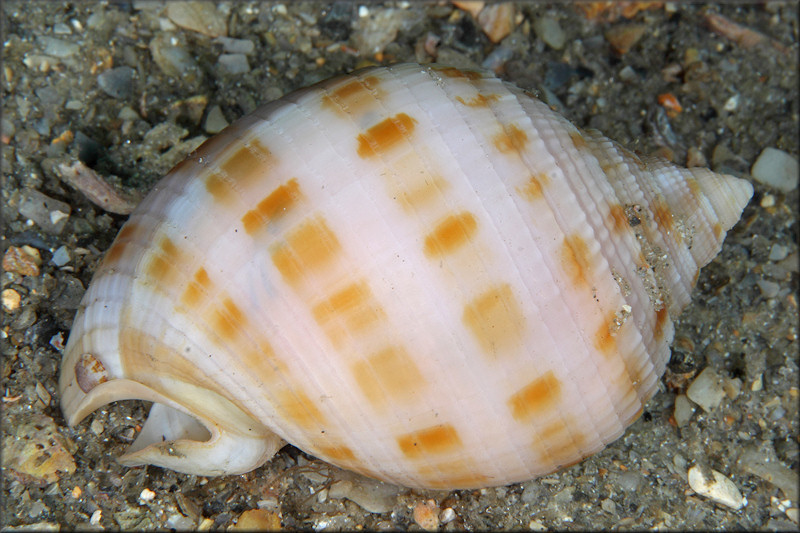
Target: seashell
418, 273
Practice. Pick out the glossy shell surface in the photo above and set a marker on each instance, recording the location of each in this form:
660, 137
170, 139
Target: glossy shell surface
418, 273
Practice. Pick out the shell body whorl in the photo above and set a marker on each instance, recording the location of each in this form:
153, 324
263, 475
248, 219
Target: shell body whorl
418, 273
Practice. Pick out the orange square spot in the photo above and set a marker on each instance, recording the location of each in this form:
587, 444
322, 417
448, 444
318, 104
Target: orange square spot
340, 454
433, 440
352, 308
248, 163
534, 189
162, 267
356, 96
220, 187
309, 248
495, 320
299, 409
263, 363
450, 234
459, 473
479, 100
512, 139
385, 135
197, 289
537, 396
275, 205
389, 375
575, 260
228, 320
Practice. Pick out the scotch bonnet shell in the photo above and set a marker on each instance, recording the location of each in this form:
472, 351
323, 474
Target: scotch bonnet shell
418, 273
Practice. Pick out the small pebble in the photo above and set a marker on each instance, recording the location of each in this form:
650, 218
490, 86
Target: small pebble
622, 38
628, 74
24, 260
683, 410
117, 82
447, 515
497, 20
11, 300
471, 6
732, 103
236, 46
716, 487
173, 59
778, 252
234, 63
60, 256
215, 121
608, 506
96, 517
768, 200
706, 390
97, 426
549, 30
426, 515
57, 47
768, 288
39, 208
777, 169
147, 495
732, 387
536, 525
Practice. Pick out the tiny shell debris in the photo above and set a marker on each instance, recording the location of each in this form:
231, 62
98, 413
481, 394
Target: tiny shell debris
24, 260
610, 11
37, 449
706, 390
683, 410
741, 35
471, 7
623, 38
371, 495
98, 191
426, 515
258, 520
777, 169
202, 17
716, 487
765, 464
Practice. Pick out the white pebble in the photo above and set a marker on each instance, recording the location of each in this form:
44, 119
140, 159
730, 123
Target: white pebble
60, 256
717, 488
147, 495
706, 390
778, 252
732, 103
777, 169
96, 517
447, 515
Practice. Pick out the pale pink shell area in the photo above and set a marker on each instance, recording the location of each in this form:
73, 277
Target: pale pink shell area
417, 273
